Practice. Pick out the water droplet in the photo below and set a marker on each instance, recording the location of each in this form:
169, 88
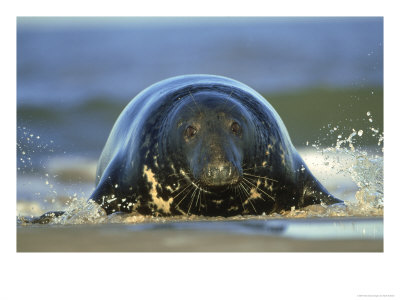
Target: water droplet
360, 133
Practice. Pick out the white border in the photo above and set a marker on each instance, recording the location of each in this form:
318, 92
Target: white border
198, 276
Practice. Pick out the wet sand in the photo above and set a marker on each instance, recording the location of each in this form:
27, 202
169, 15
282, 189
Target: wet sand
206, 237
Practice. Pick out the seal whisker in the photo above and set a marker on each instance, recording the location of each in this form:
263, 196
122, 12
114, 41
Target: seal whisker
197, 200
239, 189
241, 194
272, 198
196, 183
184, 197
198, 108
262, 177
192, 198
181, 191
240, 198
232, 107
229, 97
247, 183
193, 111
233, 104
249, 187
251, 202
248, 197
257, 188
254, 181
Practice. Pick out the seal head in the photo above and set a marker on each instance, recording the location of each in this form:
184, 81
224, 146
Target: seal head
211, 134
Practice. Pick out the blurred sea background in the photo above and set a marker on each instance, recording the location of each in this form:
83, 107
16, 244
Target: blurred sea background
324, 76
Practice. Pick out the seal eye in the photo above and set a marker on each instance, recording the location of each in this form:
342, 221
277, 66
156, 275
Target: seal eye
190, 132
235, 127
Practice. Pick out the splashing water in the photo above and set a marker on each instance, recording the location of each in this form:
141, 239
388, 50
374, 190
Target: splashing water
346, 157
365, 169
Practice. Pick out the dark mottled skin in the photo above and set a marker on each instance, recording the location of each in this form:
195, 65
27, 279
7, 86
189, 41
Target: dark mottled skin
205, 145
148, 156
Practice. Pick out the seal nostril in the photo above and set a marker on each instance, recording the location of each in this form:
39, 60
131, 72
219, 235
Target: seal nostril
220, 175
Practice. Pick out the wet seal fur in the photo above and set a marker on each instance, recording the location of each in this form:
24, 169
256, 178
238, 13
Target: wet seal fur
205, 145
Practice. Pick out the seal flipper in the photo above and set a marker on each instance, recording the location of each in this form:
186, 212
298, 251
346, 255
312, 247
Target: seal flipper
47, 217
107, 190
315, 193
104, 195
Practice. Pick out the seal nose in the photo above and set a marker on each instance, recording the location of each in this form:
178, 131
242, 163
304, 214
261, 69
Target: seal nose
222, 174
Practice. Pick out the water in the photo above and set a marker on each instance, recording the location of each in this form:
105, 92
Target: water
70, 61
75, 76
249, 235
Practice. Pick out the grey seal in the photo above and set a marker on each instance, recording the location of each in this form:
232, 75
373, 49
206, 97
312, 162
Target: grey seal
205, 145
